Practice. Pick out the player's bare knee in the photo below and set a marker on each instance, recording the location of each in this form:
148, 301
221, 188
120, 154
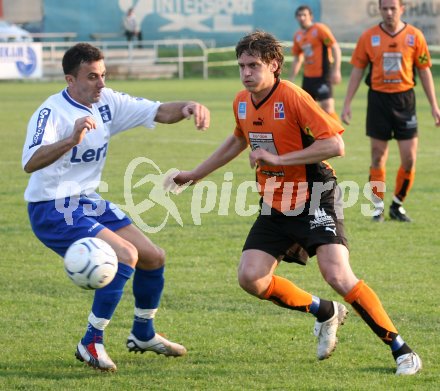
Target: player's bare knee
152, 258
160, 255
249, 283
128, 254
341, 284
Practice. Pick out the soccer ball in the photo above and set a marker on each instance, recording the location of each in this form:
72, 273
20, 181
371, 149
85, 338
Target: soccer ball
90, 263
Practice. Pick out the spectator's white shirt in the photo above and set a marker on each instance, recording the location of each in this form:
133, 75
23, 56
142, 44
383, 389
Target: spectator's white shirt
130, 24
79, 170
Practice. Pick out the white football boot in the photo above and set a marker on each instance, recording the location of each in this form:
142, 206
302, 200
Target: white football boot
408, 364
326, 331
94, 355
157, 344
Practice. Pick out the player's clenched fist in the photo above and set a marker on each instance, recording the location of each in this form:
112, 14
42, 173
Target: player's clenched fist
81, 126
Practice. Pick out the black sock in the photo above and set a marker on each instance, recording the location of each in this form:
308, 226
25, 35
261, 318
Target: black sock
325, 310
404, 349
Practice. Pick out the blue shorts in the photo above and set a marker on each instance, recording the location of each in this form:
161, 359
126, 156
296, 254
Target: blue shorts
59, 223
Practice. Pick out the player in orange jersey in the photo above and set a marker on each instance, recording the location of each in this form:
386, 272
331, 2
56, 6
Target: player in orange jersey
392, 50
316, 47
290, 138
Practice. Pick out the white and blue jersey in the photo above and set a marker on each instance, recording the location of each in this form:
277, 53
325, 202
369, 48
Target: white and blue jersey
82, 166
62, 203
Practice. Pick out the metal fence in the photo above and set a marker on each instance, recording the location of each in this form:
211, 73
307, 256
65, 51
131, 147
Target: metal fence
140, 58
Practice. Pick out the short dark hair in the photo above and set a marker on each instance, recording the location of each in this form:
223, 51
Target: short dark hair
78, 54
400, 3
303, 8
264, 46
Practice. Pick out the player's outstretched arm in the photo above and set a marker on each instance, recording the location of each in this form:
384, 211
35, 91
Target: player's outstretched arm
171, 112
230, 149
47, 154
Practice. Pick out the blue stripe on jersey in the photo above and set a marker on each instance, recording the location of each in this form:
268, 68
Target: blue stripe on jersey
43, 116
73, 103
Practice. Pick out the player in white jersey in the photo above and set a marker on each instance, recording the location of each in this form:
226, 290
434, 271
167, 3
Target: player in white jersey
65, 150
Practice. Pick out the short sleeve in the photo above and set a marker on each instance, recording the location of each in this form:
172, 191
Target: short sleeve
423, 57
40, 131
359, 58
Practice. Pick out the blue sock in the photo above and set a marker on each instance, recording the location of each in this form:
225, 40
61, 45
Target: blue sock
397, 343
147, 290
104, 304
314, 307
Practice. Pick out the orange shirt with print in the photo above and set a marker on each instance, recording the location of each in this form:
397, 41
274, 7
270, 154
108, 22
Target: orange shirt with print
315, 44
392, 57
287, 120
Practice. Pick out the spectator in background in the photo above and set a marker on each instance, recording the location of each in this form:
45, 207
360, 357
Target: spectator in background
131, 27
316, 47
392, 51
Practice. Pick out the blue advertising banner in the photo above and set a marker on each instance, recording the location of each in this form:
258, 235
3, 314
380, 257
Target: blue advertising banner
21, 60
219, 21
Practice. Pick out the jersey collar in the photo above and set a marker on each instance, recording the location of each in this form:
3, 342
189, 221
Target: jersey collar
257, 106
67, 97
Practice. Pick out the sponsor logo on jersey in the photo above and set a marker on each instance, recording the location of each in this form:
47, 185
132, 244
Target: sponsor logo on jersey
43, 116
259, 122
375, 40
89, 155
279, 110
410, 39
241, 110
105, 112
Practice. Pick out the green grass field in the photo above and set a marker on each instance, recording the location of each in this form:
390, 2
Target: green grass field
235, 341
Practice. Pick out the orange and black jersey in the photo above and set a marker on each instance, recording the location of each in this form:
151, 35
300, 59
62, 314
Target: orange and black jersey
287, 120
392, 58
315, 44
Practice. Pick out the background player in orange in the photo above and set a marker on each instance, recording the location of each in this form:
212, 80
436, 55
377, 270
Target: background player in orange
316, 47
290, 138
392, 50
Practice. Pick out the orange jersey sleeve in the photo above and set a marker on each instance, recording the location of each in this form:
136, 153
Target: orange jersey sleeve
287, 120
392, 58
315, 44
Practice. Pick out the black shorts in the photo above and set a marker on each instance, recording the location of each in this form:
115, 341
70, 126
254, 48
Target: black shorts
319, 88
391, 115
276, 233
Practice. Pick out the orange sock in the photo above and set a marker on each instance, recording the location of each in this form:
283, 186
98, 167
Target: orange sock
284, 293
404, 182
368, 306
377, 175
